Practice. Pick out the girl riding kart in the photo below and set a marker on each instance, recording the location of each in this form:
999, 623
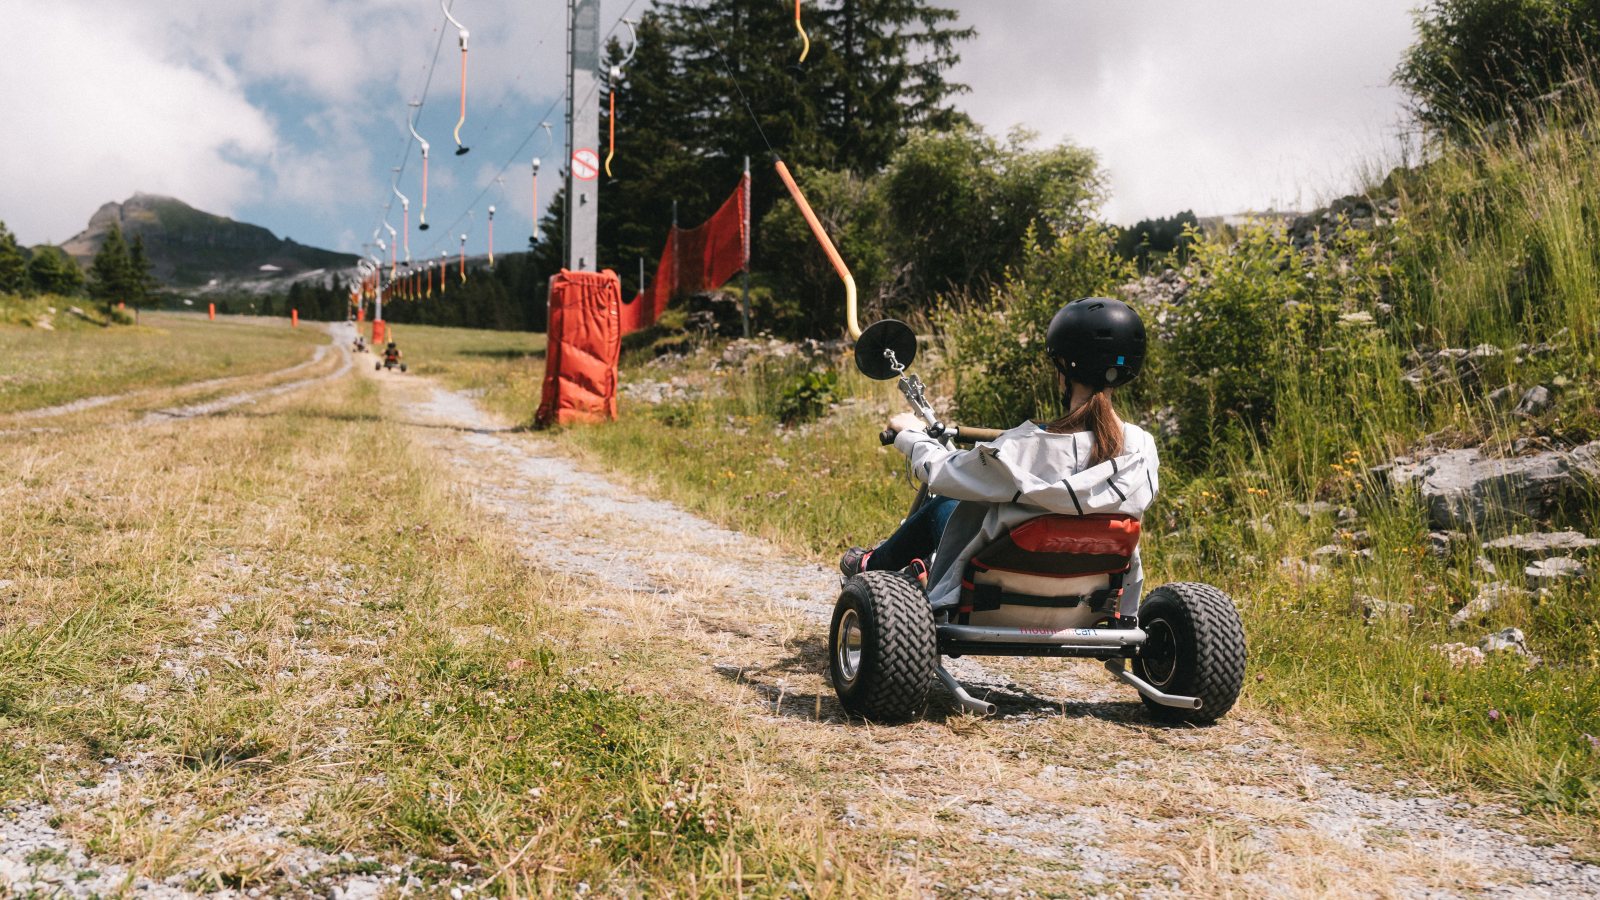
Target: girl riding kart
1086, 462
1028, 545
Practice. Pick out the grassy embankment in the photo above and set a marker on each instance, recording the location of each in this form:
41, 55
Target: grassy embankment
79, 359
286, 611
1491, 246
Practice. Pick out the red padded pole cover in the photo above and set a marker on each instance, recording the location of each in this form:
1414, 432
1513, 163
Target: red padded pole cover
585, 339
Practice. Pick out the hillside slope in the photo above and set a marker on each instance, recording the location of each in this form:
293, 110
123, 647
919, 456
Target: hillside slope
190, 247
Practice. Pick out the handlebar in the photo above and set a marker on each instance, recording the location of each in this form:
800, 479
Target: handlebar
964, 434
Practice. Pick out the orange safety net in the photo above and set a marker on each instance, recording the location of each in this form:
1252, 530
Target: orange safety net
584, 340
696, 259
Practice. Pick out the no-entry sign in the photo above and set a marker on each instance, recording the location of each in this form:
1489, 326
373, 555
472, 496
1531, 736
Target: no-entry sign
585, 163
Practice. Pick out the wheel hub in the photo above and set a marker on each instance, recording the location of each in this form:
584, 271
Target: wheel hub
1160, 653
849, 649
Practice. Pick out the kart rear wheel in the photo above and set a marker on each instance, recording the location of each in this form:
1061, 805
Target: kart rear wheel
1195, 648
881, 647
377, 367
402, 367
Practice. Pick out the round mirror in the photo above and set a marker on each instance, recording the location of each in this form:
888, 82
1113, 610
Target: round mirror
890, 335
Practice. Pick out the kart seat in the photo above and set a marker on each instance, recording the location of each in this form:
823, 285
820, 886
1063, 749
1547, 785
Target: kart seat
1052, 571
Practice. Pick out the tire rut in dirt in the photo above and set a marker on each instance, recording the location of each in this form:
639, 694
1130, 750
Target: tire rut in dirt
898, 650
1211, 650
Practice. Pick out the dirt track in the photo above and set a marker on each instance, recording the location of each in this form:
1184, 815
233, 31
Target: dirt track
1070, 791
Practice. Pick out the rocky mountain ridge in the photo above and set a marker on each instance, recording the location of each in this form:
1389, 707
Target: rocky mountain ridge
192, 248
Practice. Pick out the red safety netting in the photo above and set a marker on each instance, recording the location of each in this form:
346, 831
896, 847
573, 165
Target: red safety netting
580, 365
696, 259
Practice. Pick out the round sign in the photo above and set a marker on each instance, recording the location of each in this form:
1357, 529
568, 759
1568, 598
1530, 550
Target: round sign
585, 163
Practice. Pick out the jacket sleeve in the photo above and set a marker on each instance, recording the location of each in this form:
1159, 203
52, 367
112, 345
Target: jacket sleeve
974, 474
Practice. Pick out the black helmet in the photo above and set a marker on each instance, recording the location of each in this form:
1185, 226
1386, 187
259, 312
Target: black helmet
1097, 341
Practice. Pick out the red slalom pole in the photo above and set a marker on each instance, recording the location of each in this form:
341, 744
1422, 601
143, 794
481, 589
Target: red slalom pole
294, 318
212, 311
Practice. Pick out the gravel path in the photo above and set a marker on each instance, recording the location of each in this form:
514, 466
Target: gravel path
1070, 791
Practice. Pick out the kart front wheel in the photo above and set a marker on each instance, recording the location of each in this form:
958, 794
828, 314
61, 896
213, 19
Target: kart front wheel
1195, 648
882, 651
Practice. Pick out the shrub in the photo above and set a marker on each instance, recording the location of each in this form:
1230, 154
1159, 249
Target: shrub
808, 395
996, 342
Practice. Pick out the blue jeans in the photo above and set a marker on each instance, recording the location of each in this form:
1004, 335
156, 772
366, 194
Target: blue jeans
916, 538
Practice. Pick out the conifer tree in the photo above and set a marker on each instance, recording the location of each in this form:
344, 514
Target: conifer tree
142, 283
112, 272
52, 271
13, 264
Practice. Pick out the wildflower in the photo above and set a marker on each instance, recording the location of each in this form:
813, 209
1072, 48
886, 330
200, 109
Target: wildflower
1594, 742
1494, 715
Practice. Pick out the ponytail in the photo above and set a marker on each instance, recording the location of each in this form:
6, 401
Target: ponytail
1097, 417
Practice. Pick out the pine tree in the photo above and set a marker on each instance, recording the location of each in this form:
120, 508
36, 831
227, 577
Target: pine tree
52, 271
875, 72
13, 265
112, 273
142, 279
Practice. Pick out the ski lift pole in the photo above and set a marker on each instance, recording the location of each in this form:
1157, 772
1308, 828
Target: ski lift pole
422, 218
461, 35
616, 80
807, 47
405, 208
827, 246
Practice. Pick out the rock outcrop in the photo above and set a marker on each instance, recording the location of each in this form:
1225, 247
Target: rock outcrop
1466, 490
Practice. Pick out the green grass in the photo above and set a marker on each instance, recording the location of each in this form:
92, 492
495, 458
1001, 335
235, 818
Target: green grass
1315, 663
320, 628
41, 368
506, 368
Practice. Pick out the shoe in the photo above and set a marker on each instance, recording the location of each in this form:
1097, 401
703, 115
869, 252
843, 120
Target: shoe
851, 563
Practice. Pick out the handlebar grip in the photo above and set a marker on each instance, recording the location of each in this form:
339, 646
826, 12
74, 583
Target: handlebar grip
968, 435
886, 437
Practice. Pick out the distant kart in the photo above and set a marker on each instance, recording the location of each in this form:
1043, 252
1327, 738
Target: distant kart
389, 362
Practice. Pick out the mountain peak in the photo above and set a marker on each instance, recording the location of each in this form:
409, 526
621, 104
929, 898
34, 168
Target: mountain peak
191, 247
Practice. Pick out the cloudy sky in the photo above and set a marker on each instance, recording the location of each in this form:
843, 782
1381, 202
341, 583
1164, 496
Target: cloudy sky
291, 114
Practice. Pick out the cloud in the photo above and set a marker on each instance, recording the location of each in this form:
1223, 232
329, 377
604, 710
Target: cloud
94, 114
1217, 107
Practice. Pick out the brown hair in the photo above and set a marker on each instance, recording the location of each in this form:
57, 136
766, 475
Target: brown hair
1095, 416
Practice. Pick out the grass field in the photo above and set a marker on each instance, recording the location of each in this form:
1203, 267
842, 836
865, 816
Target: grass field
41, 368
503, 368
283, 615
1379, 687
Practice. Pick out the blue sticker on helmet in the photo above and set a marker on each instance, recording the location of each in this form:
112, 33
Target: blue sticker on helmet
1119, 360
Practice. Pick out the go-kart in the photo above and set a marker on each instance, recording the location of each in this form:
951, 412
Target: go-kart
389, 362
1051, 587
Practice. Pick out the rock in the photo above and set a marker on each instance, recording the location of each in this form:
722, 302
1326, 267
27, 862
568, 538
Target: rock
1500, 398
1314, 508
1490, 597
1511, 640
1465, 490
1535, 401
1299, 569
1485, 566
1541, 545
1440, 543
717, 312
1373, 608
1551, 572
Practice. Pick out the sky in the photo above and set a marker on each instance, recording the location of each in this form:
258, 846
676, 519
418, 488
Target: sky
292, 114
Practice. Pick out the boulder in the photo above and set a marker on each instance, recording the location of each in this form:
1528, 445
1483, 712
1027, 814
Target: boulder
1510, 640
1541, 545
1551, 572
1534, 401
1466, 490
715, 312
1490, 597
1440, 543
1373, 608
1501, 398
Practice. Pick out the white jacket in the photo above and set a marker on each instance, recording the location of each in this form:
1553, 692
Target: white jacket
1025, 473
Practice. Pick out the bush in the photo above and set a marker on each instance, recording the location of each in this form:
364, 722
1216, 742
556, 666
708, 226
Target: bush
809, 395
995, 343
